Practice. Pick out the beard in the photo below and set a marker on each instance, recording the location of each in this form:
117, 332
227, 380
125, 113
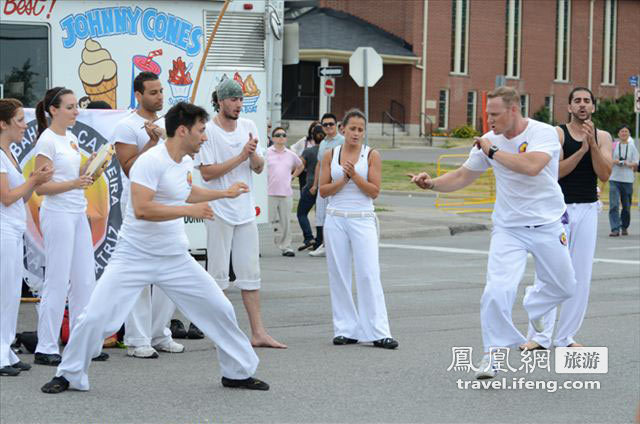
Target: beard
576, 117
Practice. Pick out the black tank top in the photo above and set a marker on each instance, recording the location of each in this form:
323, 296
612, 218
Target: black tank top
579, 186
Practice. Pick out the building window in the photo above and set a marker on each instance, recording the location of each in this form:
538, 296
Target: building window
524, 105
609, 43
548, 103
563, 31
459, 36
443, 109
513, 39
472, 98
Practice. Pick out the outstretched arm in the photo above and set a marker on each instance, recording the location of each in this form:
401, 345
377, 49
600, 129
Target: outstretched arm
451, 181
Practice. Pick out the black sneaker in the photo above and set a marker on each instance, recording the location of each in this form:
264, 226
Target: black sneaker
387, 343
306, 245
9, 371
51, 359
101, 358
177, 329
56, 385
342, 340
248, 383
194, 332
21, 366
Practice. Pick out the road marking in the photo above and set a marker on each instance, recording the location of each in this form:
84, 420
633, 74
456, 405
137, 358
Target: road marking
486, 252
623, 248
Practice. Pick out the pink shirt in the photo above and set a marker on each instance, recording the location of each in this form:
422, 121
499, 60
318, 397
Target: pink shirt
280, 165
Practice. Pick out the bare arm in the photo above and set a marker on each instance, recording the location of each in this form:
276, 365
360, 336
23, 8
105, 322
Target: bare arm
201, 194
316, 180
370, 186
128, 153
217, 170
147, 209
328, 187
451, 181
51, 187
256, 163
601, 155
529, 163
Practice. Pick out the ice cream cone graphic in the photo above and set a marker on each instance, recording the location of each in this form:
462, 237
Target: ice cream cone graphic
98, 73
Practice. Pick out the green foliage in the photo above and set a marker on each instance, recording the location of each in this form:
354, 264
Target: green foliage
611, 114
543, 115
25, 76
465, 131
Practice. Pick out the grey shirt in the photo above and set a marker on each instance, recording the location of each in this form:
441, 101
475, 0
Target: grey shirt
623, 152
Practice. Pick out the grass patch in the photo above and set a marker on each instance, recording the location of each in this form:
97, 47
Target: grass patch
394, 174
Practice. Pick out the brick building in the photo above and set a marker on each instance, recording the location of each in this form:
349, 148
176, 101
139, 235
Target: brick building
544, 48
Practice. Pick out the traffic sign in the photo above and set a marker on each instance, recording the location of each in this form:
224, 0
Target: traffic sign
365, 66
329, 87
633, 80
636, 97
330, 71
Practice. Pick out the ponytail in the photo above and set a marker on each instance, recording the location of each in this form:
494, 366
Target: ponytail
53, 97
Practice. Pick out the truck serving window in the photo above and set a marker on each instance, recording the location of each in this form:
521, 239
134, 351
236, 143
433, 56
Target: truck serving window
24, 68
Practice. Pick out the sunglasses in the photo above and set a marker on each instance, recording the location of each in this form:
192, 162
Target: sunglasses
328, 124
278, 135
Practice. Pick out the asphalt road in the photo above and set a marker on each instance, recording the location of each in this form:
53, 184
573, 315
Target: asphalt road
432, 292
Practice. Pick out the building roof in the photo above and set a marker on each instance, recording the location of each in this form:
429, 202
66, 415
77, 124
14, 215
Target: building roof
325, 32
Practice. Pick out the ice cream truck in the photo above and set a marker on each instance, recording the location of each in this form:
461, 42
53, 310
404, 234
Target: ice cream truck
96, 48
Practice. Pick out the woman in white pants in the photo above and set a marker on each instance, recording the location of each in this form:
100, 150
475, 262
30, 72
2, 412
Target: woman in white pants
69, 261
14, 192
350, 178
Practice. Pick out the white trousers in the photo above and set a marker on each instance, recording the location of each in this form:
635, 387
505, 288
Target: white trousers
11, 270
354, 242
222, 239
146, 325
187, 284
582, 231
321, 209
280, 219
69, 270
555, 280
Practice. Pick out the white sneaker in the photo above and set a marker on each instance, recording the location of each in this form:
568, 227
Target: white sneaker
170, 347
145, 352
318, 252
485, 369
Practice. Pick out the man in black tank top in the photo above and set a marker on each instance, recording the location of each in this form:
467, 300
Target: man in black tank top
585, 158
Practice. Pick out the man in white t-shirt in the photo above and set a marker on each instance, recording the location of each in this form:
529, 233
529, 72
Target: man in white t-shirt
527, 218
146, 326
153, 246
229, 155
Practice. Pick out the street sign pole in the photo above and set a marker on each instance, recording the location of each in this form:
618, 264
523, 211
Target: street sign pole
637, 106
366, 96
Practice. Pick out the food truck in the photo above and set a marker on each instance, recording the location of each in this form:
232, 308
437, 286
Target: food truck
96, 48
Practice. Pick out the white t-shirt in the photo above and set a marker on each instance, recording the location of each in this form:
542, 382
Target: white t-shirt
171, 181
64, 153
130, 130
522, 200
14, 215
220, 147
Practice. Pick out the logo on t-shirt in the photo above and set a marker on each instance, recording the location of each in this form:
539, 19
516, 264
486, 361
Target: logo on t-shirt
189, 178
74, 146
523, 147
563, 238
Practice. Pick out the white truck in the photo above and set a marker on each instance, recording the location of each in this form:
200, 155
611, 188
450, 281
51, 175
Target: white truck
96, 48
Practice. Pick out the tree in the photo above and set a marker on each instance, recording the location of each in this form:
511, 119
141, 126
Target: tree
24, 75
611, 114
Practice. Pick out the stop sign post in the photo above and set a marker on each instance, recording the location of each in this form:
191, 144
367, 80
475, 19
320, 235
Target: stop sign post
365, 67
329, 88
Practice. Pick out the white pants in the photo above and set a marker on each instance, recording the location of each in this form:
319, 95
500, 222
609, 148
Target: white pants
555, 280
321, 209
185, 282
355, 239
582, 231
222, 239
69, 269
280, 219
11, 270
146, 325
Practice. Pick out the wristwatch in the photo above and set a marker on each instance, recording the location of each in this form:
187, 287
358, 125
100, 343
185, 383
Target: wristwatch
492, 151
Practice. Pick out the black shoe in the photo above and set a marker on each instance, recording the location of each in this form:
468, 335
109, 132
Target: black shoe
9, 371
306, 245
387, 343
194, 332
51, 359
56, 385
288, 253
177, 329
101, 358
21, 366
248, 383
342, 340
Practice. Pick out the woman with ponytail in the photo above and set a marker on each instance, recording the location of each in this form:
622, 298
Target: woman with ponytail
14, 192
69, 261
